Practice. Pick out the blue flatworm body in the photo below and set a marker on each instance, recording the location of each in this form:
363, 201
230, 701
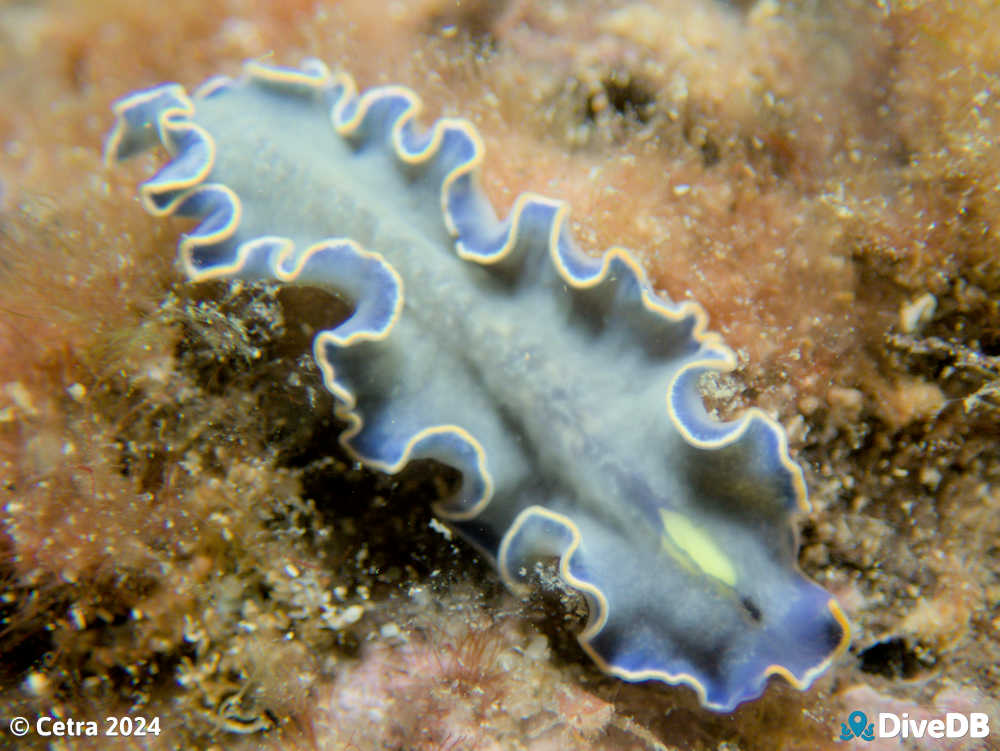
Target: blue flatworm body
560, 385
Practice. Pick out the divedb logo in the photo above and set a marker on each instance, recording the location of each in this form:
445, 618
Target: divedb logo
890, 725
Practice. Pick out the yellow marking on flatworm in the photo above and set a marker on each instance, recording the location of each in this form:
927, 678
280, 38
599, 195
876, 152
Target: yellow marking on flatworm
697, 546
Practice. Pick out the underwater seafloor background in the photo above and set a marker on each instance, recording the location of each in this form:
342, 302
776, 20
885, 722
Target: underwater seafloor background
180, 535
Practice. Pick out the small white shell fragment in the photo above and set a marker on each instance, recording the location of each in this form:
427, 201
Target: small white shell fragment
915, 314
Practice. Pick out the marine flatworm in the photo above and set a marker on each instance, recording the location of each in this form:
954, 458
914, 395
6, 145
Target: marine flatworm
561, 386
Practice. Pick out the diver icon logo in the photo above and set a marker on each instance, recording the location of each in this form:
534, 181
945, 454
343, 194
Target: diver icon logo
857, 726
952, 725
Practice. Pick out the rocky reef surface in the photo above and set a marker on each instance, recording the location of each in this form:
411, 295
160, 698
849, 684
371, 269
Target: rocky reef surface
181, 537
